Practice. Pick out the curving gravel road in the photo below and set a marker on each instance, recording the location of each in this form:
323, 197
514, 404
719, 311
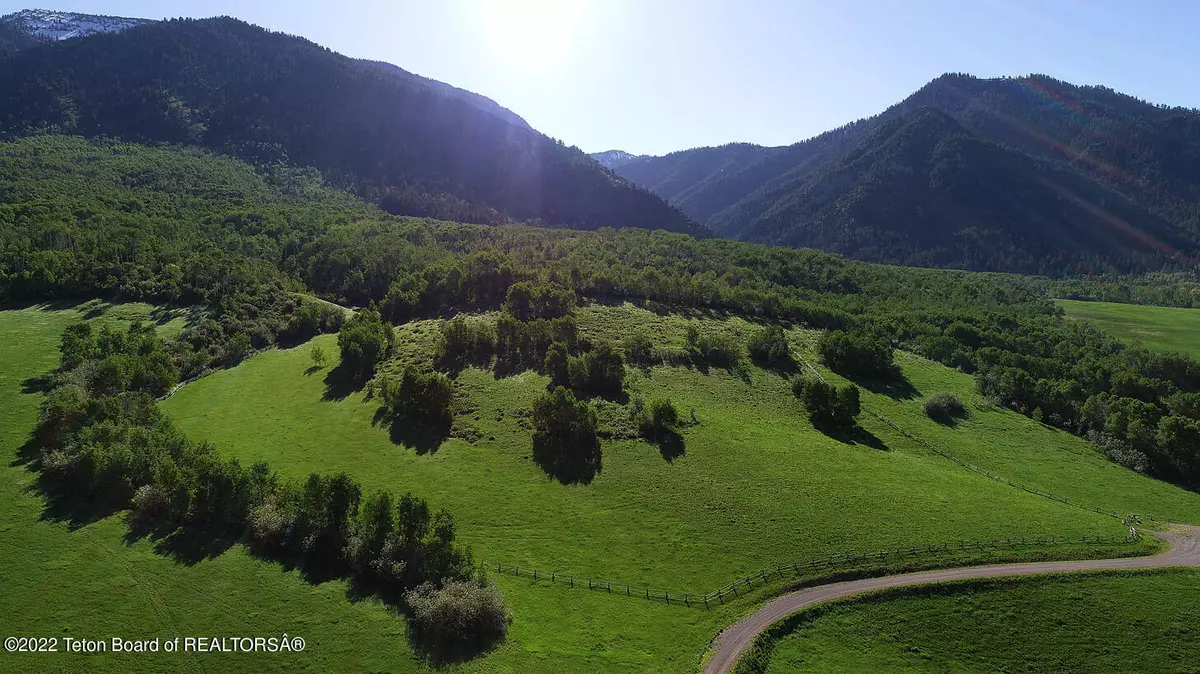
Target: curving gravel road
729, 645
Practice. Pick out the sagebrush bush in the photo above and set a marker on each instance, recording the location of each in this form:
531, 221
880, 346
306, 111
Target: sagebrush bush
149, 501
460, 614
944, 407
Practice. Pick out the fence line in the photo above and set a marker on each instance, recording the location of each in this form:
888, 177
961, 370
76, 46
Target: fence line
830, 564
976, 469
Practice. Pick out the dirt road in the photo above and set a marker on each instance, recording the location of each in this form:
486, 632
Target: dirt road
729, 645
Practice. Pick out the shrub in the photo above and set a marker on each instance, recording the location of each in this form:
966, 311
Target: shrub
639, 350
944, 408
769, 347
469, 614
149, 501
269, 525
720, 349
467, 341
798, 386
657, 419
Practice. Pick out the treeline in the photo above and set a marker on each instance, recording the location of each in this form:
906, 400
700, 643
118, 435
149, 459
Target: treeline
103, 440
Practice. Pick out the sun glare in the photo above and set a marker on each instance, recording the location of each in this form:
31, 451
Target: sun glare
531, 33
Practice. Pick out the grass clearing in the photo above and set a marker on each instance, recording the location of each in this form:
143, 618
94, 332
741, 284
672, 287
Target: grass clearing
1161, 328
757, 485
1016, 447
1111, 622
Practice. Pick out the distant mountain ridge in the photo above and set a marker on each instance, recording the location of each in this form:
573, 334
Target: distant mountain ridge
268, 97
44, 25
47, 24
1140, 160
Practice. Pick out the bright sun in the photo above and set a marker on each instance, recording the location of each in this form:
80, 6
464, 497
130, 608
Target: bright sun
531, 33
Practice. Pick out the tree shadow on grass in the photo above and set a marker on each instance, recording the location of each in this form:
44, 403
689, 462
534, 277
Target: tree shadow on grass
438, 655
850, 435
423, 435
670, 444
569, 463
41, 384
340, 382
899, 388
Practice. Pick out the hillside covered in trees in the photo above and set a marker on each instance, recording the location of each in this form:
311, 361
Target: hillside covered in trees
1028, 175
266, 97
180, 226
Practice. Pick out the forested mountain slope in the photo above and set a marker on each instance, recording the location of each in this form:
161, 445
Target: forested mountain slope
226, 85
1121, 153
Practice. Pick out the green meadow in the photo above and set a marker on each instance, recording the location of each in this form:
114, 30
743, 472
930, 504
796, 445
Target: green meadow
755, 485
1126, 622
1162, 328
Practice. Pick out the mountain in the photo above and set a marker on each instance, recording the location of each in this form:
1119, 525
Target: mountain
232, 87
613, 158
34, 26
1118, 149
45, 24
471, 98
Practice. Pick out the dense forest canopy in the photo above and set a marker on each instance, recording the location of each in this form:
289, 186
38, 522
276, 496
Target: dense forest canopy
227, 85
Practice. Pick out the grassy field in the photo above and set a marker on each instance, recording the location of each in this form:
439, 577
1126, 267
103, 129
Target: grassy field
756, 485
1144, 622
1024, 451
1163, 328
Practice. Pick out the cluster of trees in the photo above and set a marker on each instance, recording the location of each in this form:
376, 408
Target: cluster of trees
418, 395
768, 346
712, 348
826, 403
102, 440
565, 444
364, 340
857, 354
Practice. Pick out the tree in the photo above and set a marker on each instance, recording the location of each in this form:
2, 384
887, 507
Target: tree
556, 364
317, 355
564, 441
364, 340
828, 404
857, 354
768, 346
600, 371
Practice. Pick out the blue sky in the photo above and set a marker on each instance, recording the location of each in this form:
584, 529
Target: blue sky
652, 76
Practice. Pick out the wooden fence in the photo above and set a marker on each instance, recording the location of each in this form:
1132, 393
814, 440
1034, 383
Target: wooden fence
824, 565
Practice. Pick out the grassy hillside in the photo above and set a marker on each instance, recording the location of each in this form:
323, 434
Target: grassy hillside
89, 582
1100, 623
1162, 328
1024, 451
755, 485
